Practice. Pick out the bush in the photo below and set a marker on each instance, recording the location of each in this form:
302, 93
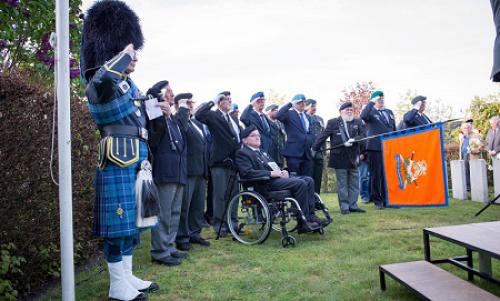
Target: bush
29, 197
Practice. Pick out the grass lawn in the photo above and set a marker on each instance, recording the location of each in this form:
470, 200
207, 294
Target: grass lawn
342, 264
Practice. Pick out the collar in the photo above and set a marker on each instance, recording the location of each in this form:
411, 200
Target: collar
252, 148
298, 111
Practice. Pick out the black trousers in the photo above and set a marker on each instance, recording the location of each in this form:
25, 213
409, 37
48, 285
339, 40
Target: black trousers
377, 178
209, 213
317, 174
300, 166
302, 189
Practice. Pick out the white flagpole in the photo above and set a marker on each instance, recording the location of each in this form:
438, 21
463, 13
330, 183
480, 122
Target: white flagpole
64, 147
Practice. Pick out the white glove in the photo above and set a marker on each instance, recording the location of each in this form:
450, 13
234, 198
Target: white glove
375, 99
349, 143
418, 105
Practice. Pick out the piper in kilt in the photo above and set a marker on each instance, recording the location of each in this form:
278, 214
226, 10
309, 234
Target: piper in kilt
111, 35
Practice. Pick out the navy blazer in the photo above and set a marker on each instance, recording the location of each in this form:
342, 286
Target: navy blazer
169, 163
224, 143
412, 119
249, 117
197, 144
251, 164
299, 142
376, 125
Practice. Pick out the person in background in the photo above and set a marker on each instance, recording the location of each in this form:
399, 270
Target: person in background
416, 117
170, 174
470, 147
493, 138
342, 132
316, 127
193, 201
297, 150
364, 172
225, 142
378, 120
278, 135
254, 115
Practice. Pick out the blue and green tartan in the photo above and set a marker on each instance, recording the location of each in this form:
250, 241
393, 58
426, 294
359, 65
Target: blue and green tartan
115, 188
112, 111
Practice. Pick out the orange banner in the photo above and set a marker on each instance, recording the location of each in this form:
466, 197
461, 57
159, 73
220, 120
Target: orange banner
415, 168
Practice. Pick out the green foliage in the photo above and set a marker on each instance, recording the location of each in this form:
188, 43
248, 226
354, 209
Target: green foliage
10, 269
482, 109
276, 98
23, 27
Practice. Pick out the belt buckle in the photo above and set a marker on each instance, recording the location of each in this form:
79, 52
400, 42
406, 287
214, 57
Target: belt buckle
143, 133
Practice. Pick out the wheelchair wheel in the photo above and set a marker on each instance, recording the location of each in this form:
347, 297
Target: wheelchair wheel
248, 218
287, 209
288, 241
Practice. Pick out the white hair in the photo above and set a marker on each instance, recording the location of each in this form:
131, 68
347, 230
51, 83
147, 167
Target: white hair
495, 118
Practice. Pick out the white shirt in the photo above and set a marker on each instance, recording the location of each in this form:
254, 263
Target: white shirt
305, 119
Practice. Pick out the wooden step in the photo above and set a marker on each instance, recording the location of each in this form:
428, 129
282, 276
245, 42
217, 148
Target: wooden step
430, 282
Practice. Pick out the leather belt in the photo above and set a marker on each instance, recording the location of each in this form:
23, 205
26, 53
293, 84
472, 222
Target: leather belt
124, 131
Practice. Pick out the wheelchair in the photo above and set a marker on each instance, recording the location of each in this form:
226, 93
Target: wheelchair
254, 212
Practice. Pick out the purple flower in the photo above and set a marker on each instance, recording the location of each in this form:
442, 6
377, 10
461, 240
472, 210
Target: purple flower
3, 44
74, 73
26, 13
12, 3
72, 62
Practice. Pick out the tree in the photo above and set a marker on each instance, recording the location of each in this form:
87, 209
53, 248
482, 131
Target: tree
276, 98
359, 95
482, 109
25, 28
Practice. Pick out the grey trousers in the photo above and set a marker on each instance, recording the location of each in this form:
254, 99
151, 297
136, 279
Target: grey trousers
163, 236
347, 188
220, 182
193, 206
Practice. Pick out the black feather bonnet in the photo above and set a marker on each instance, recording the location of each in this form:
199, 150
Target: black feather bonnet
108, 27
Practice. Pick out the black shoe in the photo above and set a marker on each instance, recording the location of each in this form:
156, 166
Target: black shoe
344, 211
151, 289
183, 246
379, 207
168, 261
179, 255
205, 224
358, 210
307, 227
200, 241
317, 220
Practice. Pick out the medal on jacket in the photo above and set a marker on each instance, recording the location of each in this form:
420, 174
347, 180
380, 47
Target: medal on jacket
119, 211
124, 86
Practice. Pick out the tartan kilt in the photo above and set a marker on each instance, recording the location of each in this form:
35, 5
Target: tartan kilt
115, 189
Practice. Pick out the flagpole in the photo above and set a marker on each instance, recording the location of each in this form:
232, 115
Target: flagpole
64, 150
390, 133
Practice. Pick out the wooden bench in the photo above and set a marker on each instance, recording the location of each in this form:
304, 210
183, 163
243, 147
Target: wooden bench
430, 282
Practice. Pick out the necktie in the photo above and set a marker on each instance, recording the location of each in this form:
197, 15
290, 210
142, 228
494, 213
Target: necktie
303, 119
384, 115
265, 125
232, 128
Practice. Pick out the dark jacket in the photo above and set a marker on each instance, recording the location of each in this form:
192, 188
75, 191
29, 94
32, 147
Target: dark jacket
224, 142
495, 72
316, 127
251, 164
342, 157
375, 124
197, 144
249, 117
278, 137
412, 119
299, 142
170, 152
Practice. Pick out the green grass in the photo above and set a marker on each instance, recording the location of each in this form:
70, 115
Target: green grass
342, 264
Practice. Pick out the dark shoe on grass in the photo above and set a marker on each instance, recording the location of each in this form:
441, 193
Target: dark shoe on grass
200, 241
168, 261
179, 255
357, 210
183, 246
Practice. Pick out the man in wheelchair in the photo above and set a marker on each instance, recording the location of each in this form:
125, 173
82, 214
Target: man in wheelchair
252, 163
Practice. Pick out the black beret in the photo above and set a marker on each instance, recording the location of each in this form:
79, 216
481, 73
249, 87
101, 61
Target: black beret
310, 102
417, 99
225, 93
183, 96
469, 121
345, 105
247, 131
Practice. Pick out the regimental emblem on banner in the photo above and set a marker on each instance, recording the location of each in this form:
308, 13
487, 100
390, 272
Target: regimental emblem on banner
409, 170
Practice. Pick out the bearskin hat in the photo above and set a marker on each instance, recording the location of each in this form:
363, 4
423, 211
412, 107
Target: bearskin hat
108, 27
